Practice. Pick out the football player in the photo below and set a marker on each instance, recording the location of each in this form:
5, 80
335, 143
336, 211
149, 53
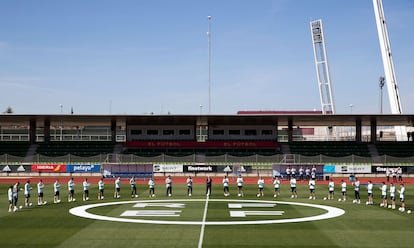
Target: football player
260, 187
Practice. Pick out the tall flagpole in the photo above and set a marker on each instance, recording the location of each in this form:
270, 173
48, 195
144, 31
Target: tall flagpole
209, 63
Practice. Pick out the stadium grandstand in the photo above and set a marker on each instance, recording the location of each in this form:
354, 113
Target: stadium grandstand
247, 137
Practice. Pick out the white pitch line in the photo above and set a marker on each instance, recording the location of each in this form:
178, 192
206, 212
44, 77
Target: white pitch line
153, 213
262, 213
82, 211
167, 205
251, 205
203, 224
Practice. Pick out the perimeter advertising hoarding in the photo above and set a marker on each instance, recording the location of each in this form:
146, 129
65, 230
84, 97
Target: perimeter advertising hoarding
200, 168
48, 167
279, 170
83, 168
410, 169
218, 168
16, 168
6, 169
127, 170
381, 169
329, 168
237, 168
168, 168
353, 168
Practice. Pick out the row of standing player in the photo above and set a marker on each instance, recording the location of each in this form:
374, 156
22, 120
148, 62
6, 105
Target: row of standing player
331, 186
209, 182
394, 173
304, 173
13, 195
261, 184
370, 192
169, 184
13, 190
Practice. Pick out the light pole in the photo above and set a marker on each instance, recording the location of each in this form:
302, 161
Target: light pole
200, 126
381, 85
209, 63
61, 122
351, 106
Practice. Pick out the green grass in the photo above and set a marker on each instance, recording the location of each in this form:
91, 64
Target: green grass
53, 226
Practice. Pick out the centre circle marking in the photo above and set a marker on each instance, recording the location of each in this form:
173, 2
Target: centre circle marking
81, 211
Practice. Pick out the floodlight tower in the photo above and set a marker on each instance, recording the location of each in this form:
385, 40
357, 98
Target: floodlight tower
322, 67
209, 63
390, 78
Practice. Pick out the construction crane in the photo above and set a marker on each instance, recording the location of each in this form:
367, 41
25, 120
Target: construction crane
390, 78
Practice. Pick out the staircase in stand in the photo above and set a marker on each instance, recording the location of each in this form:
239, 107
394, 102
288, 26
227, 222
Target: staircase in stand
373, 151
114, 157
288, 158
30, 153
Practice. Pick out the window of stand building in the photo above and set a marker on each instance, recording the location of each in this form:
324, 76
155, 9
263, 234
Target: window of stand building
250, 132
267, 132
136, 132
152, 132
184, 132
218, 132
168, 132
234, 132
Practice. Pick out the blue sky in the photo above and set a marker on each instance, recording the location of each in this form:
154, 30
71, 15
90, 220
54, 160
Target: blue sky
137, 57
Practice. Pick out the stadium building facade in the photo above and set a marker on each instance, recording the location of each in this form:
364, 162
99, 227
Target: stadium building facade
247, 137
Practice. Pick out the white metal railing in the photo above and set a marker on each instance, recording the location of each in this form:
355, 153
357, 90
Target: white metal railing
14, 137
220, 159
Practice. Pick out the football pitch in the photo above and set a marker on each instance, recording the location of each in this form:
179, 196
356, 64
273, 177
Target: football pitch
201, 221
